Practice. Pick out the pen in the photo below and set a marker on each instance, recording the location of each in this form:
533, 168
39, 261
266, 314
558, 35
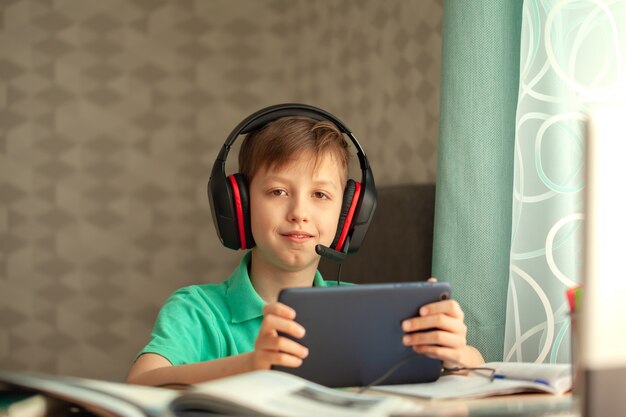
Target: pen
537, 380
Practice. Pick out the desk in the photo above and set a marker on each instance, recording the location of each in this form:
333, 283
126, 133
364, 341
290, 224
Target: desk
127, 400
516, 405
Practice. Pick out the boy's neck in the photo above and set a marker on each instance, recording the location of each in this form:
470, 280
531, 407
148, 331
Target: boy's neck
268, 280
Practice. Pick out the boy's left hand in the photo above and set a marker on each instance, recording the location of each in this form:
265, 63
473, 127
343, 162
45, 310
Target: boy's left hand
439, 332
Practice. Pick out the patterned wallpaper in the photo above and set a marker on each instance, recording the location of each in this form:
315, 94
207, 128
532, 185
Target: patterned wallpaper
111, 113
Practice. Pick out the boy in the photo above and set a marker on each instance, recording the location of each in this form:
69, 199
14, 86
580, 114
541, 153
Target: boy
296, 169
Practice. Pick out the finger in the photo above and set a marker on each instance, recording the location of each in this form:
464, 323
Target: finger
281, 344
435, 337
279, 309
268, 358
431, 279
437, 321
450, 307
450, 357
273, 324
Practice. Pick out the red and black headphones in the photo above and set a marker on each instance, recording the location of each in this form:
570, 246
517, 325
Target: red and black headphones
229, 198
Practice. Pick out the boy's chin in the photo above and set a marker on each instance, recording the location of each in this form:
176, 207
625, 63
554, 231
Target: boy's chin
297, 261
291, 260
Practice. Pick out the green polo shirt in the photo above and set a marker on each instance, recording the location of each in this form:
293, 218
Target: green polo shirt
211, 321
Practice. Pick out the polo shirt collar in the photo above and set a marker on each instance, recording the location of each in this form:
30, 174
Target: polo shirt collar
318, 281
243, 300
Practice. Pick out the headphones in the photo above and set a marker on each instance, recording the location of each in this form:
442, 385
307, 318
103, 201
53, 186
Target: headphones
229, 196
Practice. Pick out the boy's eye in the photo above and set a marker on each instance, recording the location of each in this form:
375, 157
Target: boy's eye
278, 193
320, 195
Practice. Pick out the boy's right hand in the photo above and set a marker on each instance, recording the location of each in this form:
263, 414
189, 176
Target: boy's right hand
272, 349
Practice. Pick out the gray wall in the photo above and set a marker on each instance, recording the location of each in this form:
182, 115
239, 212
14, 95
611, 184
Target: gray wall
111, 113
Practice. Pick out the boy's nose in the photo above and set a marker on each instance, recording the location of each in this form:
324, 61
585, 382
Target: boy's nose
299, 210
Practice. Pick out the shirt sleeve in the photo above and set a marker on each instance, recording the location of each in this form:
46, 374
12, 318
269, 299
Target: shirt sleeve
184, 331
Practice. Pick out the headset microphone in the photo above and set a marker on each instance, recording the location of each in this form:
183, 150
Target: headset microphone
332, 254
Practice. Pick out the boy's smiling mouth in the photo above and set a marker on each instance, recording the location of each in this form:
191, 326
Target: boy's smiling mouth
297, 236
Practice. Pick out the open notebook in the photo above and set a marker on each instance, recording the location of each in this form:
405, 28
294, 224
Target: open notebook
258, 393
510, 378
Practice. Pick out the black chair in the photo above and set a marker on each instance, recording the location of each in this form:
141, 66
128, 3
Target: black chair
399, 243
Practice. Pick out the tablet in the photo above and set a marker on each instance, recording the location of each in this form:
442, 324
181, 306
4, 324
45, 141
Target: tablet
354, 333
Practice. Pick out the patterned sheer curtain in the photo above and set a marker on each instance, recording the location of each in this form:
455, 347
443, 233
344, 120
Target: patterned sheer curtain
572, 56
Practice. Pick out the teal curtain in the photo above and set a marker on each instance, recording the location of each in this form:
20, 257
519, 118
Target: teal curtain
573, 55
479, 87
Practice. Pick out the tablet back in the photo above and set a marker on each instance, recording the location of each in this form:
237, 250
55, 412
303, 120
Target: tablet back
354, 333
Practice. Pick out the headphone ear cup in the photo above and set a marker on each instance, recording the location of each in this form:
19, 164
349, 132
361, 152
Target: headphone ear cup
349, 204
241, 203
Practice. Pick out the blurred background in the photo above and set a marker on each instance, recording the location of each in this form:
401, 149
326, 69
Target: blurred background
111, 114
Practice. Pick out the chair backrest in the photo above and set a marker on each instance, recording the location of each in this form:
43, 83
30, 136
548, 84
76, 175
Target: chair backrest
399, 243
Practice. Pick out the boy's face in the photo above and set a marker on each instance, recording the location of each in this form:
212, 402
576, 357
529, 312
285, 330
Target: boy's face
294, 208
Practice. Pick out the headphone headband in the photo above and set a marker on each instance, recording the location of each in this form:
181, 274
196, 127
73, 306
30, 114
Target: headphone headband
262, 117
220, 192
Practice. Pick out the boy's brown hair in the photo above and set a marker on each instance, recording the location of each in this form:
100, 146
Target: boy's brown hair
274, 145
